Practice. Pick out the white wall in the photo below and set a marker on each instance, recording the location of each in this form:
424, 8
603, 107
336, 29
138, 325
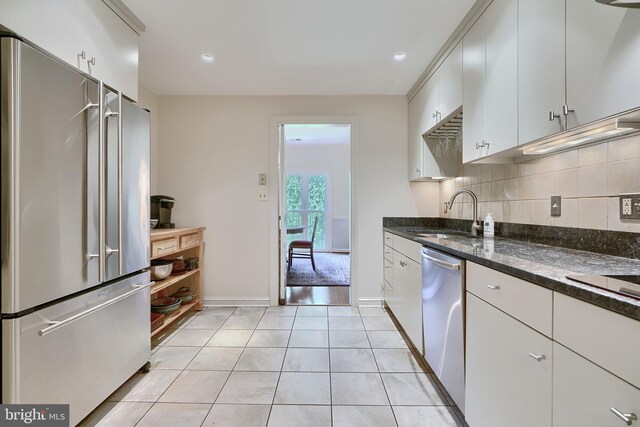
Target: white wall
149, 100
211, 149
332, 160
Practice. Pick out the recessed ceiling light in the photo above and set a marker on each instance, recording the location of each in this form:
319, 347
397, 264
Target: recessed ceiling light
206, 57
400, 56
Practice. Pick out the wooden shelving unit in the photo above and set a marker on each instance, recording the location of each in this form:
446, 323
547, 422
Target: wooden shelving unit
171, 243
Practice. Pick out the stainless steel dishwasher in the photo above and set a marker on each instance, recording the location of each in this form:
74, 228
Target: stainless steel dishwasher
443, 319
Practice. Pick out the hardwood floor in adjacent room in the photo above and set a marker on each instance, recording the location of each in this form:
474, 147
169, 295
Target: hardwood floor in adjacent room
317, 295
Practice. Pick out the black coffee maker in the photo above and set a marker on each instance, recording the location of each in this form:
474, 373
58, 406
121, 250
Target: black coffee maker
161, 210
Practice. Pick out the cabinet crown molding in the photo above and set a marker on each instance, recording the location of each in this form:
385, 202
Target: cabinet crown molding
121, 9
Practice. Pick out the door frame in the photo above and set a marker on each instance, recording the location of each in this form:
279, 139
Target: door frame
276, 199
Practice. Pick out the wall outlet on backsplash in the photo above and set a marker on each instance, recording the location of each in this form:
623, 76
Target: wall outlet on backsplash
556, 205
630, 206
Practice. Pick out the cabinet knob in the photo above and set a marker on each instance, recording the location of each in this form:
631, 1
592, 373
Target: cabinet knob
627, 418
538, 357
553, 115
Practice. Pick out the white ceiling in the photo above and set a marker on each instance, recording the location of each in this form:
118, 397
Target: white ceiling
291, 47
317, 134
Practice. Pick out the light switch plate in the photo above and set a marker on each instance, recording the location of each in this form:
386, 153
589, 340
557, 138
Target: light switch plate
556, 205
630, 206
262, 179
262, 196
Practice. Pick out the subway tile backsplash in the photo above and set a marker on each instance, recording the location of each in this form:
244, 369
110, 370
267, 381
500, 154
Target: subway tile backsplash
588, 179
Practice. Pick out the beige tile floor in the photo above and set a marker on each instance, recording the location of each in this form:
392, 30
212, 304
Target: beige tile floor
282, 366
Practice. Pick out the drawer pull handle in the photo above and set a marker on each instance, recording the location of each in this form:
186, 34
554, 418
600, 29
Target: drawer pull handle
538, 357
627, 418
494, 287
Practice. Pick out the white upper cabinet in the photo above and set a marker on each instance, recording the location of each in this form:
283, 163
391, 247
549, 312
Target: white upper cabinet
69, 28
541, 68
490, 82
440, 96
603, 60
473, 90
502, 75
114, 45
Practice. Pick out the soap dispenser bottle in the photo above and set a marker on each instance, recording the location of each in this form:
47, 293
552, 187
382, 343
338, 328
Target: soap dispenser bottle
488, 226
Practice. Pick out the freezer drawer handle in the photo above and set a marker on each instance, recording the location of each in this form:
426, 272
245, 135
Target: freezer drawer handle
627, 418
441, 263
53, 325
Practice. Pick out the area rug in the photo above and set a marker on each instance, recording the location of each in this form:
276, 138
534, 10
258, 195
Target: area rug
331, 270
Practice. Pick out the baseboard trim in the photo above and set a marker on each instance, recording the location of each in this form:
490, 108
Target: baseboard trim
237, 302
370, 302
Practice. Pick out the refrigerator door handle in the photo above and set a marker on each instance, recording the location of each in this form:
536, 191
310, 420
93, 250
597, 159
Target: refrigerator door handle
56, 324
101, 182
116, 114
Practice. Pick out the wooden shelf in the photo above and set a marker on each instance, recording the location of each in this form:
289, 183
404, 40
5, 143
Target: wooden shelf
171, 254
175, 316
171, 280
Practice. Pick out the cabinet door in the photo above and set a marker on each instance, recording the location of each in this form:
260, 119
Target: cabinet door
54, 25
450, 83
603, 60
584, 393
417, 108
473, 90
505, 386
541, 67
407, 287
115, 47
501, 81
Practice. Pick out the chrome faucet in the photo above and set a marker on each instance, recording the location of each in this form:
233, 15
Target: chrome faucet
475, 225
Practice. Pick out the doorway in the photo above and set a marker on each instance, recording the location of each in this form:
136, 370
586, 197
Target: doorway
315, 212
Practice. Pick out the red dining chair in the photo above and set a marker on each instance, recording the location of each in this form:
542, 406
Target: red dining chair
303, 244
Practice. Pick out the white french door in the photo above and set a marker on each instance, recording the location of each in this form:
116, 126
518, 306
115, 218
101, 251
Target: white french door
306, 198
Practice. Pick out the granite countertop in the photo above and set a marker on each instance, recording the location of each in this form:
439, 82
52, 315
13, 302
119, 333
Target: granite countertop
541, 264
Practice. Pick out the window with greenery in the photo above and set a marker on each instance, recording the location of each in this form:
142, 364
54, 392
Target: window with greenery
306, 199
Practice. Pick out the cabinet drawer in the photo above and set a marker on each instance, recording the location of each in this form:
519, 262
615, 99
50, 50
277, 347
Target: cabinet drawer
584, 393
408, 248
602, 336
388, 253
388, 239
529, 303
388, 271
189, 240
164, 247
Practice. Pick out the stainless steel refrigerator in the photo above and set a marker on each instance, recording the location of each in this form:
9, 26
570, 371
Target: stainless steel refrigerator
75, 233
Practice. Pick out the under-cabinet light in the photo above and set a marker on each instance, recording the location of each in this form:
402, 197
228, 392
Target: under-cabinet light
582, 137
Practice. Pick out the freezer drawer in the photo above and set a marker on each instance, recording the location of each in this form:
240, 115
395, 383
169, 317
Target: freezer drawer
100, 340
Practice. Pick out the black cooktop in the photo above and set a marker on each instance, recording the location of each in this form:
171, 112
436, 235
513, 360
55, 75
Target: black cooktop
627, 285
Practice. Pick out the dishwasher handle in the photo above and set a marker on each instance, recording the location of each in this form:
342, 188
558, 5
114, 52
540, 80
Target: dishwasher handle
436, 261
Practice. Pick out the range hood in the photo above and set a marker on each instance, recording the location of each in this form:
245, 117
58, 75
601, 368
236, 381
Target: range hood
621, 3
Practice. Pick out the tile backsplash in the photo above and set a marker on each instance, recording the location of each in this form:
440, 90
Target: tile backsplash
588, 179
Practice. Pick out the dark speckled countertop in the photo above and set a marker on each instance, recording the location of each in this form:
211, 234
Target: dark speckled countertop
541, 264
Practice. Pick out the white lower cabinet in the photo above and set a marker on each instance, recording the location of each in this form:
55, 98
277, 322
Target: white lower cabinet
402, 287
509, 370
586, 395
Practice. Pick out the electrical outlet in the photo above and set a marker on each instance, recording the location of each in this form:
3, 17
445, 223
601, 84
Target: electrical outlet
556, 205
262, 196
262, 179
630, 206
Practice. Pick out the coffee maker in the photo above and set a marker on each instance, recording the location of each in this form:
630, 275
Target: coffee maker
161, 210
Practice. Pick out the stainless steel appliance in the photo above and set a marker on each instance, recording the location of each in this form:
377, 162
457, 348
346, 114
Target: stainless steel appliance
443, 319
75, 233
